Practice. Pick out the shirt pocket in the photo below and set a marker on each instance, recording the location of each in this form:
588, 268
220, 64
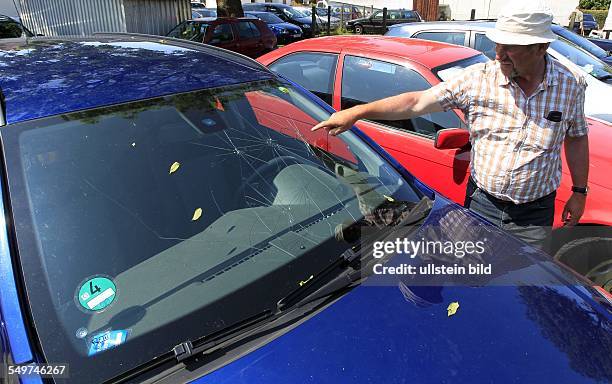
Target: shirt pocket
545, 135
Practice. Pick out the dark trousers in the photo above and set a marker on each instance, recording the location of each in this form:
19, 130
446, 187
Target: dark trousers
530, 222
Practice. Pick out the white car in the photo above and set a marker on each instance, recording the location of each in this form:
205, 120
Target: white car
472, 34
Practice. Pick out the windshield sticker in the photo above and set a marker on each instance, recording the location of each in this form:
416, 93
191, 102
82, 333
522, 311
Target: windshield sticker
197, 214
106, 340
452, 308
97, 293
174, 167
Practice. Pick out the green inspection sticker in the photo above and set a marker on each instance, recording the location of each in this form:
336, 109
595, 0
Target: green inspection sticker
97, 293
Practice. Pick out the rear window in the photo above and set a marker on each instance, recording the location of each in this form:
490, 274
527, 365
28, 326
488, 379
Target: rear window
189, 30
143, 225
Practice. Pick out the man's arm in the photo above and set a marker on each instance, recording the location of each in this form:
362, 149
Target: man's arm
577, 156
403, 106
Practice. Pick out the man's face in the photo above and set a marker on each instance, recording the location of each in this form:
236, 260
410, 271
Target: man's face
519, 60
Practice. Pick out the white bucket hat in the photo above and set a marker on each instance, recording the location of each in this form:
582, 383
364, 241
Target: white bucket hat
523, 23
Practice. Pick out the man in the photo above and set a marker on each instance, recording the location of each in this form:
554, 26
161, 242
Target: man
576, 21
520, 108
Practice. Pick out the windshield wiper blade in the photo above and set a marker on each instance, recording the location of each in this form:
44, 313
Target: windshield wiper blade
330, 281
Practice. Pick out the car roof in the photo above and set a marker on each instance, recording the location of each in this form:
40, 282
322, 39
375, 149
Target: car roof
463, 24
44, 77
427, 53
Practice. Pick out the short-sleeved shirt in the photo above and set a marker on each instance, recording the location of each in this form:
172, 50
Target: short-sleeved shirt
516, 140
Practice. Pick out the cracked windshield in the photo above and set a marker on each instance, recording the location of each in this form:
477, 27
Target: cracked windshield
199, 209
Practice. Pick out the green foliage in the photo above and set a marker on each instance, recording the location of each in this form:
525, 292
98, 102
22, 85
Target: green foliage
594, 4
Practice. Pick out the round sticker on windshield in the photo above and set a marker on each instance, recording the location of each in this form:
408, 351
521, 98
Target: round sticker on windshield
97, 293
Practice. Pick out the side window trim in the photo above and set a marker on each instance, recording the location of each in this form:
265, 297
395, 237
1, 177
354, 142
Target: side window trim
466, 34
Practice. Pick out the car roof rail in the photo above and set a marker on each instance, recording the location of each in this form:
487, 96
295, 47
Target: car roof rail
211, 49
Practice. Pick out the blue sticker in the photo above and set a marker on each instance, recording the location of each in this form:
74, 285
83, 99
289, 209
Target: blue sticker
106, 340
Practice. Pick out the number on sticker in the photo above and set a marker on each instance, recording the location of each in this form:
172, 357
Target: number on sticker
93, 289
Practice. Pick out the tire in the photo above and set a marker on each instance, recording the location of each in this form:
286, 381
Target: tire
359, 29
591, 257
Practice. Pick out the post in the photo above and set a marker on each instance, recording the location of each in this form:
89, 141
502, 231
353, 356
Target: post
341, 15
384, 25
473, 14
313, 26
328, 20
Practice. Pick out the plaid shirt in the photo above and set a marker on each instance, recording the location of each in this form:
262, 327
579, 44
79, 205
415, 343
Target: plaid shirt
516, 150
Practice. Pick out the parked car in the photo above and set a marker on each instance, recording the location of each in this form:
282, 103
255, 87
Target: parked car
334, 22
346, 71
179, 225
285, 32
374, 23
589, 24
583, 43
248, 36
286, 13
11, 28
203, 12
472, 34
197, 5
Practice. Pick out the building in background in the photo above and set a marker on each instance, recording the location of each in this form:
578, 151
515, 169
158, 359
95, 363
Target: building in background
84, 17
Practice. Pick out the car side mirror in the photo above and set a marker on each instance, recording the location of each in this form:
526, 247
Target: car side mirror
452, 138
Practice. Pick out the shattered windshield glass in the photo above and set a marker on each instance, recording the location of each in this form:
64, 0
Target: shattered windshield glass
146, 224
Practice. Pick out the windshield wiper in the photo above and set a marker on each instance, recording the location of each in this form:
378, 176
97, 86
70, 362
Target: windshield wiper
347, 271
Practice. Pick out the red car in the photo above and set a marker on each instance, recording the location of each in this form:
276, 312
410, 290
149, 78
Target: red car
349, 70
248, 36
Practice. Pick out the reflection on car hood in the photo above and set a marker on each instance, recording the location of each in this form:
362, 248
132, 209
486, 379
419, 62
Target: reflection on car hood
97, 71
401, 333
303, 20
288, 26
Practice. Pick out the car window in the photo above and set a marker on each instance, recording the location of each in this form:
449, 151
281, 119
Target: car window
483, 44
588, 17
222, 33
394, 15
150, 223
584, 60
313, 71
244, 30
190, 30
254, 30
378, 15
457, 38
365, 80
410, 15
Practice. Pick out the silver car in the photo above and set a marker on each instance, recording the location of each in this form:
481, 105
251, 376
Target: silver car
472, 34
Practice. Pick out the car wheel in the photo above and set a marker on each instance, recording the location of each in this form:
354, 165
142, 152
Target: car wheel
590, 257
358, 29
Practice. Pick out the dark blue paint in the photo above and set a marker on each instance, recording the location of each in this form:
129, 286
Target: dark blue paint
44, 78
500, 334
10, 309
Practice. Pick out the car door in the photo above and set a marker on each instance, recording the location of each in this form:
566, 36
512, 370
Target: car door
249, 39
314, 71
409, 141
374, 24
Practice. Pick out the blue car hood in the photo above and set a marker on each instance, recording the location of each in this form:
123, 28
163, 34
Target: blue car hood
403, 334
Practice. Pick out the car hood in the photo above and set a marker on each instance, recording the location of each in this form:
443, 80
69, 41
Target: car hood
288, 26
303, 20
398, 333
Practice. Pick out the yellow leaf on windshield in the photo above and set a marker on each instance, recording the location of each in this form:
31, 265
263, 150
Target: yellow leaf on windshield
197, 214
307, 280
452, 308
283, 89
389, 198
174, 167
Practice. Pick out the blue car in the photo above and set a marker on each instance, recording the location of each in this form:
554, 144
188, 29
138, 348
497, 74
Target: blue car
584, 43
285, 32
169, 216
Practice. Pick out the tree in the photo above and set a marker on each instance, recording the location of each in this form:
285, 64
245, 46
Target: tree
595, 4
231, 8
